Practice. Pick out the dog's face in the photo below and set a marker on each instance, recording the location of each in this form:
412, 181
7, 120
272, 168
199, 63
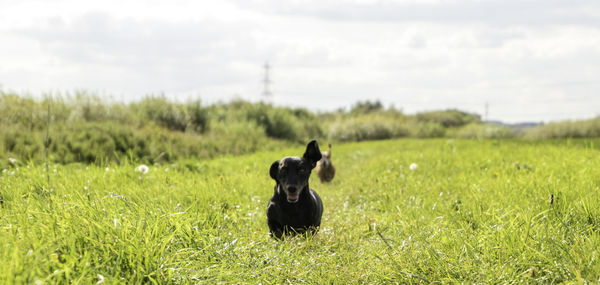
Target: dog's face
326, 159
324, 162
292, 173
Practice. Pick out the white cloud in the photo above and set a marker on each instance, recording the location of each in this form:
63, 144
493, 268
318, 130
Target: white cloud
531, 60
488, 12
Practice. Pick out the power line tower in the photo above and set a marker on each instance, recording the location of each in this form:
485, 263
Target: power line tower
267, 81
487, 109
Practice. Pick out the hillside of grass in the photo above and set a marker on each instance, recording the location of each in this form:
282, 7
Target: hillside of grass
473, 211
84, 128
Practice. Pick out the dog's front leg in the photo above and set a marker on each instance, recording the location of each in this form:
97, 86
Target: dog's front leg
276, 229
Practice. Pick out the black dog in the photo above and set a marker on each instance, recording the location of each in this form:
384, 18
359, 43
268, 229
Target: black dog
294, 207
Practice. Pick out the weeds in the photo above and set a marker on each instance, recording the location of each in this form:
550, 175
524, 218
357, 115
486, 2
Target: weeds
472, 212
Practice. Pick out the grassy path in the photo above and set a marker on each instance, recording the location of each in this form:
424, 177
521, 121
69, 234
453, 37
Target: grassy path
473, 211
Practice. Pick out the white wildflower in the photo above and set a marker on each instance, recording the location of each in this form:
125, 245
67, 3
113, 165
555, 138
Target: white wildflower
12, 161
142, 169
100, 279
413, 166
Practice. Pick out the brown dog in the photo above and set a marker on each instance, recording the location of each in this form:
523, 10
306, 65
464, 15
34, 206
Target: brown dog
325, 169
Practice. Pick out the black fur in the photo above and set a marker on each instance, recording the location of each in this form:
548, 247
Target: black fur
294, 207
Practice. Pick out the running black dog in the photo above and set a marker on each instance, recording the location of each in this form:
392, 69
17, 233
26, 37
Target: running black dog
294, 208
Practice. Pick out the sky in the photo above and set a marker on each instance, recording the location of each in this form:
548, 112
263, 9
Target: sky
527, 60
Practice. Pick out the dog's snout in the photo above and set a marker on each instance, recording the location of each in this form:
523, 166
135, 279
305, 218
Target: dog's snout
292, 188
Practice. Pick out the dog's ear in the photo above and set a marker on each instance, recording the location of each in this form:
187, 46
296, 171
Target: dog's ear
312, 153
274, 169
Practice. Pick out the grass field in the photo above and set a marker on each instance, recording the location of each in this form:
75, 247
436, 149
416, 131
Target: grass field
473, 212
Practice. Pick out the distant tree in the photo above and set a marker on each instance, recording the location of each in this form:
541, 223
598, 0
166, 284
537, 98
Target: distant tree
366, 107
449, 118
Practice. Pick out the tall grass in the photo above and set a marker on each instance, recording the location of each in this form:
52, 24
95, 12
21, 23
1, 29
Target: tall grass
369, 121
474, 211
89, 129
484, 131
567, 129
367, 127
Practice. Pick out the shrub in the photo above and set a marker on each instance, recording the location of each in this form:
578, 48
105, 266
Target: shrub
27, 113
161, 111
367, 128
198, 116
448, 118
279, 123
89, 108
567, 129
366, 107
429, 130
21, 145
484, 131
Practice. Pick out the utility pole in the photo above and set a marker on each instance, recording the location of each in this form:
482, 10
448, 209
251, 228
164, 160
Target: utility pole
267, 81
487, 109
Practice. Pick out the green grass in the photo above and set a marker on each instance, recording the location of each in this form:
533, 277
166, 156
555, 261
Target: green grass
472, 212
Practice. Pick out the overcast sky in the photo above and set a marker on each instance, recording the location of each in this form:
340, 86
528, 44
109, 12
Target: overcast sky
530, 60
